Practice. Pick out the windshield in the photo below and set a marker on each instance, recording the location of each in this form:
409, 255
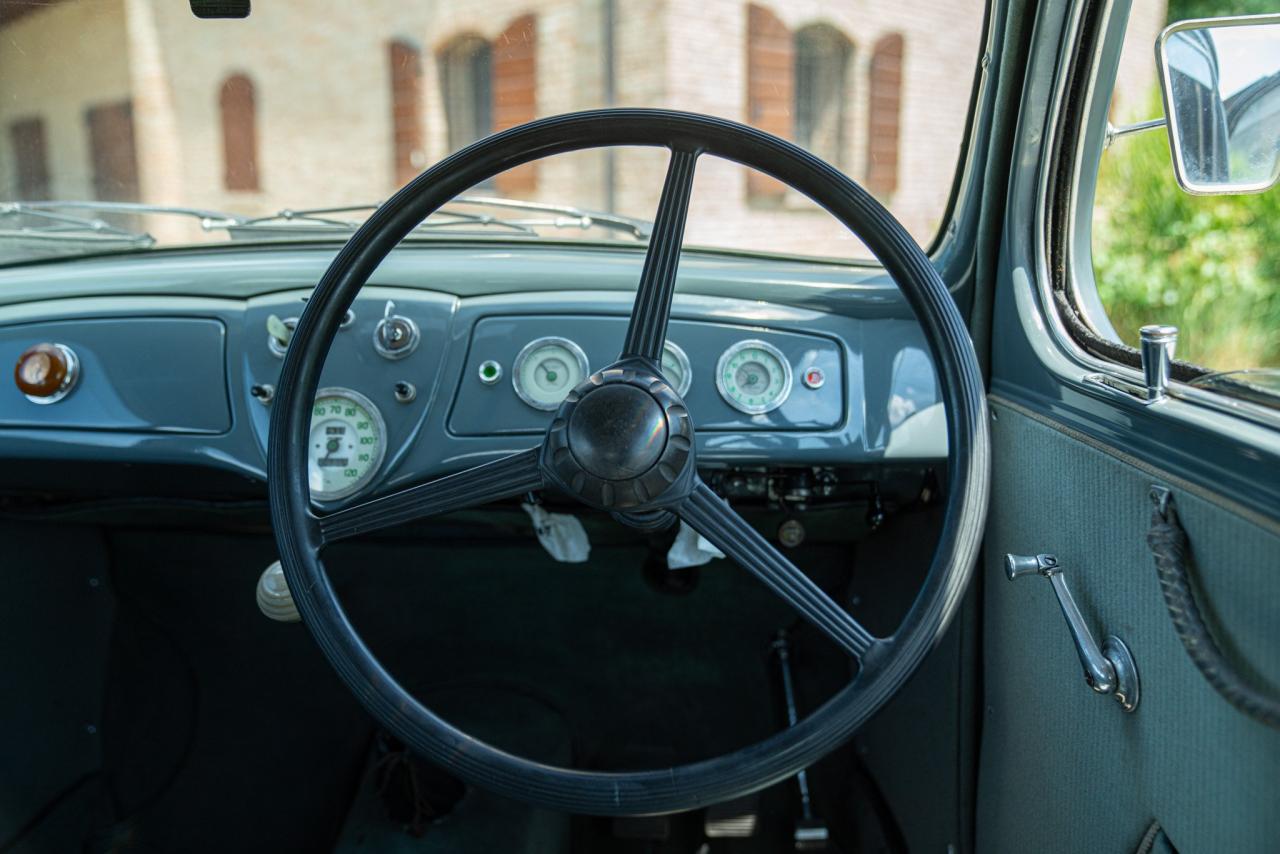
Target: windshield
131, 125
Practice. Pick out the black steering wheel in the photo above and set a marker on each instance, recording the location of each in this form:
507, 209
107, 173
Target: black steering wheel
623, 442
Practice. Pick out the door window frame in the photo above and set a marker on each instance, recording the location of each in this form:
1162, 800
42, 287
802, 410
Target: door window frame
1070, 161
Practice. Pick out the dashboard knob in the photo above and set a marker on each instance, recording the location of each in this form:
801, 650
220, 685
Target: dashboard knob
46, 373
273, 596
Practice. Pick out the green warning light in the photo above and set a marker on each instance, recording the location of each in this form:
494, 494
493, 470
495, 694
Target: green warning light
490, 372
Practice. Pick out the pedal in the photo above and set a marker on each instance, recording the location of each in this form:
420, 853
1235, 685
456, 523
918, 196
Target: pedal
811, 835
735, 819
811, 832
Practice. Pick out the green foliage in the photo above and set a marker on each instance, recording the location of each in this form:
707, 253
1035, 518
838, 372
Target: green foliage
1181, 10
1208, 264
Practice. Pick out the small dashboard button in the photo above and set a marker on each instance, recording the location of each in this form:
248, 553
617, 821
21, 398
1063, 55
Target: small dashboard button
814, 378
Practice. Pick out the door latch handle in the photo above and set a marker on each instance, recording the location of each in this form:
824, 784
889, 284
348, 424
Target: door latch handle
1109, 669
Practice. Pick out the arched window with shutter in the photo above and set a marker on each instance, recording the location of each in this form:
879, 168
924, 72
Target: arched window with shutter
238, 105
466, 90
884, 115
515, 93
770, 89
822, 57
407, 135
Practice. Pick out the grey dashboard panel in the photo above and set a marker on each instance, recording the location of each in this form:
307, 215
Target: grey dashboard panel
137, 374
880, 378
353, 362
481, 409
465, 269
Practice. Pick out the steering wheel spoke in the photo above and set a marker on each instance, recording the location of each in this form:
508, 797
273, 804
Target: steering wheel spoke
712, 517
513, 475
648, 330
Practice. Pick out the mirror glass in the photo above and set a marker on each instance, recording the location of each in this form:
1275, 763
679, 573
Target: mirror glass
1221, 83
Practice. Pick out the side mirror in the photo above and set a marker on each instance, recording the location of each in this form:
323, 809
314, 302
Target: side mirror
1221, 84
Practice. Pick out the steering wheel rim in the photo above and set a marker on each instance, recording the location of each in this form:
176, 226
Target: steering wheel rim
886, 663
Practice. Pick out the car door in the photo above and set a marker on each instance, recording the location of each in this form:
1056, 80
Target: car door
1078, 459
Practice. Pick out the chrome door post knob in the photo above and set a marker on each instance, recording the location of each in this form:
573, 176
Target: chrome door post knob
1109, 669
1157, 346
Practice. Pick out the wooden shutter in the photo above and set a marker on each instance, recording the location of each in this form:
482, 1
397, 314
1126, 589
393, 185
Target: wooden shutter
31, 157
408, 137
515, 93
239, 133
770, 88
884, 115
113, 156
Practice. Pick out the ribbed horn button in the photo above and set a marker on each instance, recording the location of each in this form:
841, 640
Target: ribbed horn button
617, 431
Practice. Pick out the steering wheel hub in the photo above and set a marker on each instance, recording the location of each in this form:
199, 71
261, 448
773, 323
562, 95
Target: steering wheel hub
617, 431
622, 440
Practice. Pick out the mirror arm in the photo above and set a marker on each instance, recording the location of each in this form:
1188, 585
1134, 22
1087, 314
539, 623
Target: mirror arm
1113, 133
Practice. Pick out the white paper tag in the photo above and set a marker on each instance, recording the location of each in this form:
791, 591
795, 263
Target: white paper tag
561, 534
690, 549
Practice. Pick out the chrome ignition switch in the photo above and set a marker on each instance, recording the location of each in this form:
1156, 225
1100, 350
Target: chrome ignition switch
395, 336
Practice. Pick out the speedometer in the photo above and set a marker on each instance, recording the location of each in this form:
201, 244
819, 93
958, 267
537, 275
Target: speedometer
753, 377
546, 369
347, 440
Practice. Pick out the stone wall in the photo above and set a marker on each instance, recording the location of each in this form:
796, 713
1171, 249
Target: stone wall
322, 83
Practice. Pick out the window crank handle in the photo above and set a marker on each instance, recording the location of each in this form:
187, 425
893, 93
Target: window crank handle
1108, 669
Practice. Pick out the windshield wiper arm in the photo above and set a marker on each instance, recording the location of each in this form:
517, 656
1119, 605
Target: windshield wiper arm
37, 222
50, 211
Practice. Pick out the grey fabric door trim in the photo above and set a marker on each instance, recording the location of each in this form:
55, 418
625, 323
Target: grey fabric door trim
1266, 523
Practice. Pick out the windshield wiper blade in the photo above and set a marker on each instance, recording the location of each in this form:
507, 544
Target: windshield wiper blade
32, 230
44, 222
569, 216
322, 222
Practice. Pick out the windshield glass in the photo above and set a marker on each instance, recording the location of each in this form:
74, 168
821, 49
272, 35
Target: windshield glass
294, 123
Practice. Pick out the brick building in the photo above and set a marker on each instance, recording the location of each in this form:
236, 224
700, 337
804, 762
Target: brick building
328, 103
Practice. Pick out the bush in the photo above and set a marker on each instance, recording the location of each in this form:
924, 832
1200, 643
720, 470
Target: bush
1207, 264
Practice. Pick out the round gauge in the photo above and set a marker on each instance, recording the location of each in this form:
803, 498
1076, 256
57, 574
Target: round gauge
546, 369
675, 367
753, 377
348, 437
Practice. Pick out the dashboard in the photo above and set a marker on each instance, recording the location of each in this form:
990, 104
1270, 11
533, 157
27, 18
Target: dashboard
440, 364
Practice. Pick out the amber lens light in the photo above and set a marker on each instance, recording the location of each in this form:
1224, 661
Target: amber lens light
41, 370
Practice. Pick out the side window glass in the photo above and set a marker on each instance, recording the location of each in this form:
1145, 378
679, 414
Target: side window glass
1209, 265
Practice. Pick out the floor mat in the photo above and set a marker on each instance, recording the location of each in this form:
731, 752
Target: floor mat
480, 821
277, 744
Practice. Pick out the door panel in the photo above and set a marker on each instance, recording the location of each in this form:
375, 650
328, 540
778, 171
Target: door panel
1063, 769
